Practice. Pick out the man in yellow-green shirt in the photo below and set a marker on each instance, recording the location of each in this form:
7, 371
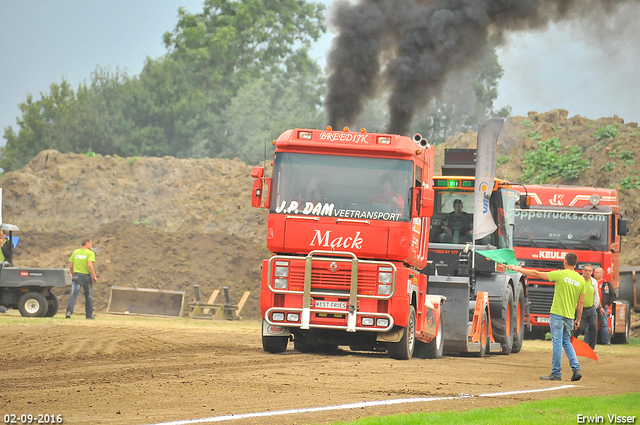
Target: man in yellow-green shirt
82, 275
568, 296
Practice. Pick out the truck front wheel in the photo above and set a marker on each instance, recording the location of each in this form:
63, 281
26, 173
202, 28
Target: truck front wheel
504, 322
519, 318
403, 349
33, 304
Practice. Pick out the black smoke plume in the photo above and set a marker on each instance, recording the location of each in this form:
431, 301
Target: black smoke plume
408, 47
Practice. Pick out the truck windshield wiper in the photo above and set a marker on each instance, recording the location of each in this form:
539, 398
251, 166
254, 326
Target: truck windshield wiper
548, 243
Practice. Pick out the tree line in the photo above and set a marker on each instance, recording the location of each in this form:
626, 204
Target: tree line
234, 76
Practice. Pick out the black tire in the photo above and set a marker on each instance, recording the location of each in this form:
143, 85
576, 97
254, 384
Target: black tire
403, 349
54, 305
503, 323
623, 338
33, 304
484, 335
435, 348
520, 307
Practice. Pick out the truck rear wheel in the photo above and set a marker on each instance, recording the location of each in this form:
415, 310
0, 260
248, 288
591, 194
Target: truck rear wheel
504, 322
518, 338
54, 305
435, 348
403, 349
623, 338
33, 304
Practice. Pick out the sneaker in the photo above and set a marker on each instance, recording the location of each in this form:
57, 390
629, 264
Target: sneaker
577, 375
551, 377
91, 317
68, 316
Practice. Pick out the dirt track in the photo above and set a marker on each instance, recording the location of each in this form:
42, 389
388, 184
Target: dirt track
130, 370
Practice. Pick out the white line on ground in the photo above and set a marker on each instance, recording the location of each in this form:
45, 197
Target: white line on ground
352, 406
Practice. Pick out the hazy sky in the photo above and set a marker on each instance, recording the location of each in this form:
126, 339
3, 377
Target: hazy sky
588, 70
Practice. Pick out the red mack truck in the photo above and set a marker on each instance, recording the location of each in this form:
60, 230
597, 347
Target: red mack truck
564, 219
348, 226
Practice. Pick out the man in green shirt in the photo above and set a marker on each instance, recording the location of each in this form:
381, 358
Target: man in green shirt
567, 298
82, 275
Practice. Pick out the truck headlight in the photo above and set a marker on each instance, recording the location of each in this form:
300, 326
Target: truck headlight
280, 283
293, 317
384, 289
385, 277
367, 321
278, 317
282, 271
383, 323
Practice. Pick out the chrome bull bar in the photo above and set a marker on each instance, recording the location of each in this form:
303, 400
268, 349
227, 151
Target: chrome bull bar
352, 308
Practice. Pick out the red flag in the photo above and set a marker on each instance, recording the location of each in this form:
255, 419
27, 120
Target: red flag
583, 349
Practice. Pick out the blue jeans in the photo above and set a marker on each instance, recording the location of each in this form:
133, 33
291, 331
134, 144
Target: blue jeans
589, 324
86, 282
561, 331
604, 326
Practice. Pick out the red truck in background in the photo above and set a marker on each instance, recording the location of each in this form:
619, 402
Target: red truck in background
564, 219
348, 224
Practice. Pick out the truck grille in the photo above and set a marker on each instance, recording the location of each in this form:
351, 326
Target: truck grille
338, 281
544, 264
541, 298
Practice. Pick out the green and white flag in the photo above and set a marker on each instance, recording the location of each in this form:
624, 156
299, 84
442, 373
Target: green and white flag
488, 133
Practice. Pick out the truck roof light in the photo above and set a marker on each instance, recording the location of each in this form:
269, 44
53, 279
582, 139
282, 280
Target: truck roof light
329, 128
384, 140
345, 129
273, 143
305, 135
362, 130
594, 200
453, 183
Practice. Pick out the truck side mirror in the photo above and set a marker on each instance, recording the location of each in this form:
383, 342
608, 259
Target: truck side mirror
622, 226
256, 193
427, 202
525, 202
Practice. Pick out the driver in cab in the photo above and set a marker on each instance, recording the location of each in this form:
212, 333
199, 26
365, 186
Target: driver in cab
458, 222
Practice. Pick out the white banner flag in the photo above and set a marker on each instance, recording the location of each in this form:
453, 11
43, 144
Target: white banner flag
488, 133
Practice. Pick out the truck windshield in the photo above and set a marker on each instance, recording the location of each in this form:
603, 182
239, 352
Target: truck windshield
561, 229
344, 187
452, 220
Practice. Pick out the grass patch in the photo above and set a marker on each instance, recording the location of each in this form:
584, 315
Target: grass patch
564, 410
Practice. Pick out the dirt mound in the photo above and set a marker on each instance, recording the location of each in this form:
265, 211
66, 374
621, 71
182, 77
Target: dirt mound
70, 191
179, 222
